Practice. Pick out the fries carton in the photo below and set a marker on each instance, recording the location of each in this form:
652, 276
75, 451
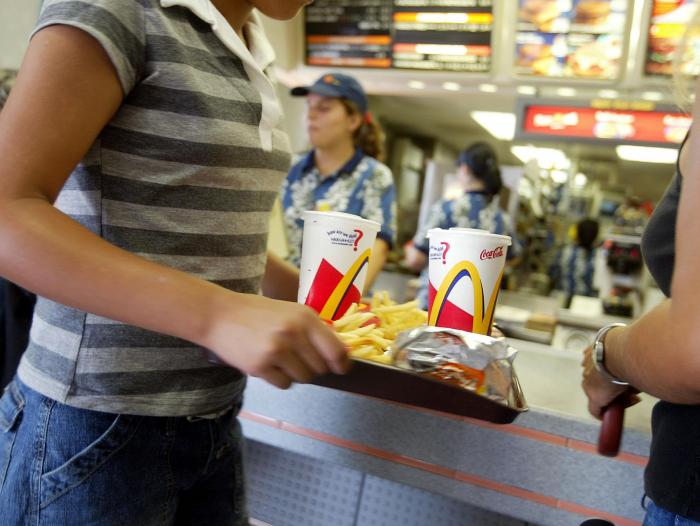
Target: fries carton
335, 254
465, 271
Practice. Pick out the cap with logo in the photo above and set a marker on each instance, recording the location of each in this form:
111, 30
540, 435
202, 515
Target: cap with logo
336, 85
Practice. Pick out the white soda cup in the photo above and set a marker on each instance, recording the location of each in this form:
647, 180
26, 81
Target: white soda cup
465, 271
335, 255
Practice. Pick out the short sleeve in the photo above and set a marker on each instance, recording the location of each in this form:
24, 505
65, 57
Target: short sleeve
380, 203
435, 219
118, 25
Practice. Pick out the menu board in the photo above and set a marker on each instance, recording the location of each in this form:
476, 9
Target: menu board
629, 126
340, 33
571, 38
667, 26
452, 35
442, 35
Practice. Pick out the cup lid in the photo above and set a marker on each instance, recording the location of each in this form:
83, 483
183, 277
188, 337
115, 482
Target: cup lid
341, 216
457, 231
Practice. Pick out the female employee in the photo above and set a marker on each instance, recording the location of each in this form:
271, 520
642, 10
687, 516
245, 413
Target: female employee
343, 172
478, 207
660, 353
140, 158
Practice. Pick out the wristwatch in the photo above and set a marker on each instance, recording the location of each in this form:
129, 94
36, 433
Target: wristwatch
599, 353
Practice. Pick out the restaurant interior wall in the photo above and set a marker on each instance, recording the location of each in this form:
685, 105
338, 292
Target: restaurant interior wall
17, 19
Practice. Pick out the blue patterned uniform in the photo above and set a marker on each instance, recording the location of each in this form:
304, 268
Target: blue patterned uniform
364, 187
573, 271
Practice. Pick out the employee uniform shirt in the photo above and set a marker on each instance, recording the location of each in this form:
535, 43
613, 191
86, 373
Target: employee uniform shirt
185, 174
363, 187
471, 210
573, 270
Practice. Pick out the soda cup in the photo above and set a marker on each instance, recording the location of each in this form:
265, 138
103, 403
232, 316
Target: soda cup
335, 253
465, 271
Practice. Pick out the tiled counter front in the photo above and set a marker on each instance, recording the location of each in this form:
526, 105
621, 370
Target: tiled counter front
542, 469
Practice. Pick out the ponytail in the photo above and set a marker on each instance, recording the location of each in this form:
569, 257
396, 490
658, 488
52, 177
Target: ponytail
369, 137
493, 181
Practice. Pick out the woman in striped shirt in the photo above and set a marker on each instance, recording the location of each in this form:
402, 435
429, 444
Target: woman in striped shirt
141, 154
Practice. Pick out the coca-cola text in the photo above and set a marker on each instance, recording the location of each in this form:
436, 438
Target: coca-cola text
492, 254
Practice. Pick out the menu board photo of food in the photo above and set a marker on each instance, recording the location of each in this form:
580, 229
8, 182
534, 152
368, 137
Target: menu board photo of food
571, 38
669, 20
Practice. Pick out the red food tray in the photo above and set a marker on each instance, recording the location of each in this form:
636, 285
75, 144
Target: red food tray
399, 385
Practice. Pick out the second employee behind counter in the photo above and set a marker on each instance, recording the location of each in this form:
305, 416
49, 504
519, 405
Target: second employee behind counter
478, 207
343, 172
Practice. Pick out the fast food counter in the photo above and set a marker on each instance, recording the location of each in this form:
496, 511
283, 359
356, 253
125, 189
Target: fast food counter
382, 456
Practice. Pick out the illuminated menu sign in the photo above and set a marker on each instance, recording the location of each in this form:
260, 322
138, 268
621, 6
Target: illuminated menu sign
571, 38
605, 124
341, 33
444, 35
668, 23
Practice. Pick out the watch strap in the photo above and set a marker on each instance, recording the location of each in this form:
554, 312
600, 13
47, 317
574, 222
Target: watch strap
599, 353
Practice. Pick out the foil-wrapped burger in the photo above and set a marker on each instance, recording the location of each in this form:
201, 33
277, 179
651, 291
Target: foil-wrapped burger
471, 361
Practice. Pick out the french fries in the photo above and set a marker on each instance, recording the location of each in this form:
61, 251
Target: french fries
369, 333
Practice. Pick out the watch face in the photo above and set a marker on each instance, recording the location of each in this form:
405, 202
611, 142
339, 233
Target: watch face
598, 353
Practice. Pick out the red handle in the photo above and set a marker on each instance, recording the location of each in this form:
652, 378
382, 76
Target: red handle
611, 428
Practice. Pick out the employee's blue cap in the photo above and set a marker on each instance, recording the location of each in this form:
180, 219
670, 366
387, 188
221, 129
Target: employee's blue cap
336, 85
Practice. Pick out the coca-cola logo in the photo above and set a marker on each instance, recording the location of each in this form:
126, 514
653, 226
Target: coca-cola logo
492, 254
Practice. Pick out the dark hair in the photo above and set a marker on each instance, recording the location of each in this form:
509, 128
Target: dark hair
369, 137
483, 164
587, 233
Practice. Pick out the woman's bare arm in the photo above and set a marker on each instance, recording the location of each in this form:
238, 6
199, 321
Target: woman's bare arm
660, 353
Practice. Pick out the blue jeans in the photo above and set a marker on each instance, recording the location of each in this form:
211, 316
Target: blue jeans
657, 516
60, 465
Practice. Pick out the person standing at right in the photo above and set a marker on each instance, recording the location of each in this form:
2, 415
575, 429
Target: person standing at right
659, 354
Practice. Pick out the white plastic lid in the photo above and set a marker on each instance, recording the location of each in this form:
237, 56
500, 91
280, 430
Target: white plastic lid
457, 231
341, 217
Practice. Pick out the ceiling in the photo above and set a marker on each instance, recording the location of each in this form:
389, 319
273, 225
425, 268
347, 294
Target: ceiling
447, 118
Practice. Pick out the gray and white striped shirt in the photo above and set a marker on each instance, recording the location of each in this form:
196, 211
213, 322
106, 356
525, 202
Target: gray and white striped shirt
185, 174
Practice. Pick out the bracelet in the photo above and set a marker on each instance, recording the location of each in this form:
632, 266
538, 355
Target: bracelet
599, 353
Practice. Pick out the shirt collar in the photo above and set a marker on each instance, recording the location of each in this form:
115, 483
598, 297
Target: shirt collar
260, 48
308, 162
347, 168
202, 8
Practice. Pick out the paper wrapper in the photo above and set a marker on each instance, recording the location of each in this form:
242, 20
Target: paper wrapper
471, 361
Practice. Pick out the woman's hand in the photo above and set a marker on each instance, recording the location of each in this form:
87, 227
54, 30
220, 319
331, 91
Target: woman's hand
278, 341
599, 390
